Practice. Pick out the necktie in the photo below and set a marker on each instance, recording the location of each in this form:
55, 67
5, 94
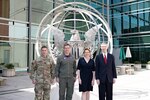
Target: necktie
105, 59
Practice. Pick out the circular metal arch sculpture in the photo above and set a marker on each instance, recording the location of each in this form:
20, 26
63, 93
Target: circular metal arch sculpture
53, 26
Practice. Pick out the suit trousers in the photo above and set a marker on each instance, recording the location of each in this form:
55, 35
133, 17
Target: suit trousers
66, 86
105, 90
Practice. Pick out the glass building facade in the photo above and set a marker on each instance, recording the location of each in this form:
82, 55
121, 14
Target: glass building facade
130, 23
19, 19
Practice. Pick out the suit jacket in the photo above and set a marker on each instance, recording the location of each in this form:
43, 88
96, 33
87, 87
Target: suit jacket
104, 71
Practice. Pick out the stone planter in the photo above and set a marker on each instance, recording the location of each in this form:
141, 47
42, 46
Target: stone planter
148, 66
2, 81
137, 67
1, 68
8, 72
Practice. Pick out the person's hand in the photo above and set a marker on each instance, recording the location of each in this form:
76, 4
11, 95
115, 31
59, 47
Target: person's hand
33, 81
74, 79
57, 79
79, 79
52, 81
114, 80
93, 82
98, 82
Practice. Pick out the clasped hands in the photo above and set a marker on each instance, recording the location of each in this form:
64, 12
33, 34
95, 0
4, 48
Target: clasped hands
98, 81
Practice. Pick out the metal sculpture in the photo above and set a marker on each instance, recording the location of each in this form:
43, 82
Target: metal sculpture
52, 29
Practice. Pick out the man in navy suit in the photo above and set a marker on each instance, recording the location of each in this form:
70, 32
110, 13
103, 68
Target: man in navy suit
105, 73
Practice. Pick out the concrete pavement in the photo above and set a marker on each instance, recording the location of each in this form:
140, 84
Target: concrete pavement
127, 87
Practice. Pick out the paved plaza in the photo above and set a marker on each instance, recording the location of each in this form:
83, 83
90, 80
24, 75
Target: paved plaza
127, 87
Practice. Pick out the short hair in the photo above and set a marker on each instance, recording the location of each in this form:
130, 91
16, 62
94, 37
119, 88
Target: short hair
44, 47
103, 44
86, 49
67, 44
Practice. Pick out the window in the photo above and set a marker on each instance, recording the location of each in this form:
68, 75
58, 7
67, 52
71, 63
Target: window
134, 27
126, 27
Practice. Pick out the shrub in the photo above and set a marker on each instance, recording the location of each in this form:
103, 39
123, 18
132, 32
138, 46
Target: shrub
9, 66
137, 62
2, 63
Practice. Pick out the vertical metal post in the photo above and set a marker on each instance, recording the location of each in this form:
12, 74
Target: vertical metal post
108, 8
54, 4
103, 7
29, 36
74, 18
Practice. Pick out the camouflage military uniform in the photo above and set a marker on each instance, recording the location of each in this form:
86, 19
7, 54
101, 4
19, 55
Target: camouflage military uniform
42, 73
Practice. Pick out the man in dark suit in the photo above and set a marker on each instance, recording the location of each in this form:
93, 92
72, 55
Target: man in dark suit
105, 73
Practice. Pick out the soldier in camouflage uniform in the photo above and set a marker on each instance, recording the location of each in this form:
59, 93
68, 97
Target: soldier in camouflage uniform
42, 75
